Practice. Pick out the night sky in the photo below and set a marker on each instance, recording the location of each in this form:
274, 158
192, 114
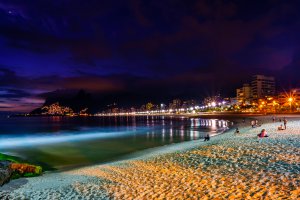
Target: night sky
158, 49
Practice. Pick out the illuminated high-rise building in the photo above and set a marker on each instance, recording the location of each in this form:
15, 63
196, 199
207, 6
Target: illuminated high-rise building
243, 94
262, 86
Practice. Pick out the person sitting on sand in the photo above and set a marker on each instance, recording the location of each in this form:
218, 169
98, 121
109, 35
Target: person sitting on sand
253, 124
237, 130
207, 138
263, 134
256, 123
280, 128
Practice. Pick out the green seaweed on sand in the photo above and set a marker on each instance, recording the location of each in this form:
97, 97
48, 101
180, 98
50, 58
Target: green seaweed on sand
14, 159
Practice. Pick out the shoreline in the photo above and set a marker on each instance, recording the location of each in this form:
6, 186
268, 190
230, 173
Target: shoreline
102, 176
165, 149
141, 153
155, 129
199, 114
203, 115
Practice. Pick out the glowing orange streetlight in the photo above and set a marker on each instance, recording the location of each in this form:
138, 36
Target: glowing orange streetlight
274, 105
290, 100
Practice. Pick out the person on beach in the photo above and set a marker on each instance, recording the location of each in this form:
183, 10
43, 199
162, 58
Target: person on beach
237, 131
263, 134
256, 123
284, 122
252, 124
207, 138
273, 118
280, 128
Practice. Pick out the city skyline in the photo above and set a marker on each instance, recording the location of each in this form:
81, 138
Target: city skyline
260, 96
148, 50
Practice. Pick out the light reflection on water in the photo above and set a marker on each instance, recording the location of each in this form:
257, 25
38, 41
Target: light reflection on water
68, 142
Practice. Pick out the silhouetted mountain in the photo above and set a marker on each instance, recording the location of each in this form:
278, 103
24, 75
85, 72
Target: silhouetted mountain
97, 102
79, 100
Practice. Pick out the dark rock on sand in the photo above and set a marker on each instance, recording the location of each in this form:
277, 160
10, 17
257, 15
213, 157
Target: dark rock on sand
4, 164
5, 172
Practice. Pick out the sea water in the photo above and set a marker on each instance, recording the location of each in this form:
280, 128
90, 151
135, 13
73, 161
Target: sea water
67, 142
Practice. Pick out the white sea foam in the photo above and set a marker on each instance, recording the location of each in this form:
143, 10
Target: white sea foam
32, 140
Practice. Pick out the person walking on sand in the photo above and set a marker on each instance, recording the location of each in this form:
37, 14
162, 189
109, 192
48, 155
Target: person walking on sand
207, 138
284, 123
273, 119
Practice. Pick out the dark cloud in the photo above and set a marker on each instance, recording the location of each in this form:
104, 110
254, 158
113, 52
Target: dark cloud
9, 78
156, 31
57, 20
13, 93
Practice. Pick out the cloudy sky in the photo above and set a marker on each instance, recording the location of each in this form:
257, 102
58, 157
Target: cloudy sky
169, 48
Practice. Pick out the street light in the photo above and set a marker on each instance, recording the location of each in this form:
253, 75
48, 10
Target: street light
290, 100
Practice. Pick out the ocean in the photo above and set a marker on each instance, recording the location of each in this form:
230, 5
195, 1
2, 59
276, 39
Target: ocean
61, 143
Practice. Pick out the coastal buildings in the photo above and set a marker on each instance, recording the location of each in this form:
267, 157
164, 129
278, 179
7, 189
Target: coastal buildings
176, 104
262, 86
212, 99
189, 103
259, 96
243, 94
56, 109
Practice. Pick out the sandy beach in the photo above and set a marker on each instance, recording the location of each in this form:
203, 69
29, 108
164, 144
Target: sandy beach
229, 166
